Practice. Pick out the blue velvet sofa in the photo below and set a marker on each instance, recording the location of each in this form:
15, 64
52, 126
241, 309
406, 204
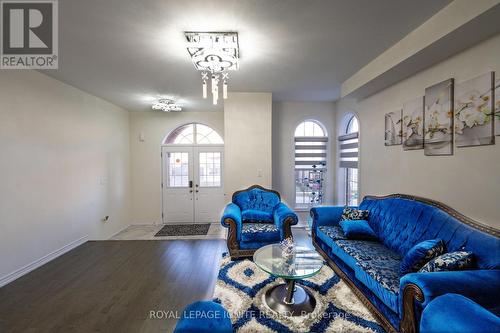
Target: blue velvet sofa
256, 217
453, 313
371, 268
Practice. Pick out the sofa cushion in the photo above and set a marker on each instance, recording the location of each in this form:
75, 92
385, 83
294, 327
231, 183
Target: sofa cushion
381, 276
253, 215
257, 199
453, 261
420, 254
259, 232
329, 233
350, 213
362, 250
357, 229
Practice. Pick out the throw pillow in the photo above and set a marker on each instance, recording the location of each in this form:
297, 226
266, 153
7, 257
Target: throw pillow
354, 214
357, 229
453, 261
420, 254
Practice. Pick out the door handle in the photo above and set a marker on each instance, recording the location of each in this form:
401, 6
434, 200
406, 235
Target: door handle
196, 191
191, 184
190, 191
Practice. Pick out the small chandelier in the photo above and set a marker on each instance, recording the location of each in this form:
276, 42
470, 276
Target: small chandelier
166, 105
214, 54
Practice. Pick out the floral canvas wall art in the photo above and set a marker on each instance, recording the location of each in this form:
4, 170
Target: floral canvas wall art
438, 119
497, 106
413, 124
393, 128
474, 111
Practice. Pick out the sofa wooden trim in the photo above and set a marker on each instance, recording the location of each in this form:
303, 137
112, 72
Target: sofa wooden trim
255, 187
411, 293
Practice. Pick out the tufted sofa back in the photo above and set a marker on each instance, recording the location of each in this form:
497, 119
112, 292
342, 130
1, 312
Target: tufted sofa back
256, 199
402, 222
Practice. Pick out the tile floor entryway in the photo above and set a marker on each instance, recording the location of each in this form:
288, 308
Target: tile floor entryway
147, 232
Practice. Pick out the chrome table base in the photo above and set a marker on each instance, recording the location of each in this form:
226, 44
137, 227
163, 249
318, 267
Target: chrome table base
290, 300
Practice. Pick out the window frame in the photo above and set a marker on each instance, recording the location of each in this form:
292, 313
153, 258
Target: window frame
304, 206
345, 172
170, 138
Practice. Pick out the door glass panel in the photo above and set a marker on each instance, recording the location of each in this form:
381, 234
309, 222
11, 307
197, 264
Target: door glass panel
178, 169
210, 169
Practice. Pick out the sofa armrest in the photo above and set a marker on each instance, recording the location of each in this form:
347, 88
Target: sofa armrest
232, 211
326, 215
418, 289
284, 218
481, 286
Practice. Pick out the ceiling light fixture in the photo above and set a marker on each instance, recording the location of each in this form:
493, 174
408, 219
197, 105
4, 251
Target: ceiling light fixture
166, 105
214, 54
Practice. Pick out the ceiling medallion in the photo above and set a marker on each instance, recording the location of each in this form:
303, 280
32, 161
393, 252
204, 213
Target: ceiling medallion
214, 54
166, 105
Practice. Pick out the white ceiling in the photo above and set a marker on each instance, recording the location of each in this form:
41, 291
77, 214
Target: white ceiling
127, 51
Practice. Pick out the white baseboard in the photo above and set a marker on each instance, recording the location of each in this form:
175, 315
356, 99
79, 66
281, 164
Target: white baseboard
6, 279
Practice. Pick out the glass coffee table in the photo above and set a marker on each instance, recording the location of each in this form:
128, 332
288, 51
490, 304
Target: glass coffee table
288, 298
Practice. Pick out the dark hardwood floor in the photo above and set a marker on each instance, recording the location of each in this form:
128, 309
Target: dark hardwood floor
111, 286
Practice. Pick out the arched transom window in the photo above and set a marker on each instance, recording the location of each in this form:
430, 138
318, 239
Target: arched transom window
194, 134
310, 163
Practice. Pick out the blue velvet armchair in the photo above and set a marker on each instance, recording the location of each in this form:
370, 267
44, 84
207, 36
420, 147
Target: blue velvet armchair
256, 217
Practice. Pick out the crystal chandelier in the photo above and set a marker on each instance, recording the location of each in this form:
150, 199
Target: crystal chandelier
166, 105
214, 54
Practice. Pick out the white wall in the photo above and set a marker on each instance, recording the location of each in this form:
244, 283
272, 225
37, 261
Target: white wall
286, 117
64, 165
248, 140
468, 181
145, 156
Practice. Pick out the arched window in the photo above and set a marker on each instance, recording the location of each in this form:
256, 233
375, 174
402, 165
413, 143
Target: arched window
194, 134
349, 148
310, 163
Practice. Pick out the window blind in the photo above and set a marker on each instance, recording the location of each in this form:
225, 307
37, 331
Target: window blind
349, 149
310, 152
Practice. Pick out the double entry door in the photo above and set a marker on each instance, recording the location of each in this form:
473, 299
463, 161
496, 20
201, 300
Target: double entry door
193, 185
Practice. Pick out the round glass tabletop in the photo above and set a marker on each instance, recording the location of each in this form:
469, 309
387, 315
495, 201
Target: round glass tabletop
302, 264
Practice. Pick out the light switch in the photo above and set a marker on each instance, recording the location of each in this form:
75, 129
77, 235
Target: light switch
259, 173
142, 137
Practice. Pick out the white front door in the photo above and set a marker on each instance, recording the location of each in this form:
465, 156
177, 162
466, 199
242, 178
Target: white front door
178, 198
209, 187
193, 188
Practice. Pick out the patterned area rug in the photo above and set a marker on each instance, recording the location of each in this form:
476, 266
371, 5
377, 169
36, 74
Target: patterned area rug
183, 230
241, 287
